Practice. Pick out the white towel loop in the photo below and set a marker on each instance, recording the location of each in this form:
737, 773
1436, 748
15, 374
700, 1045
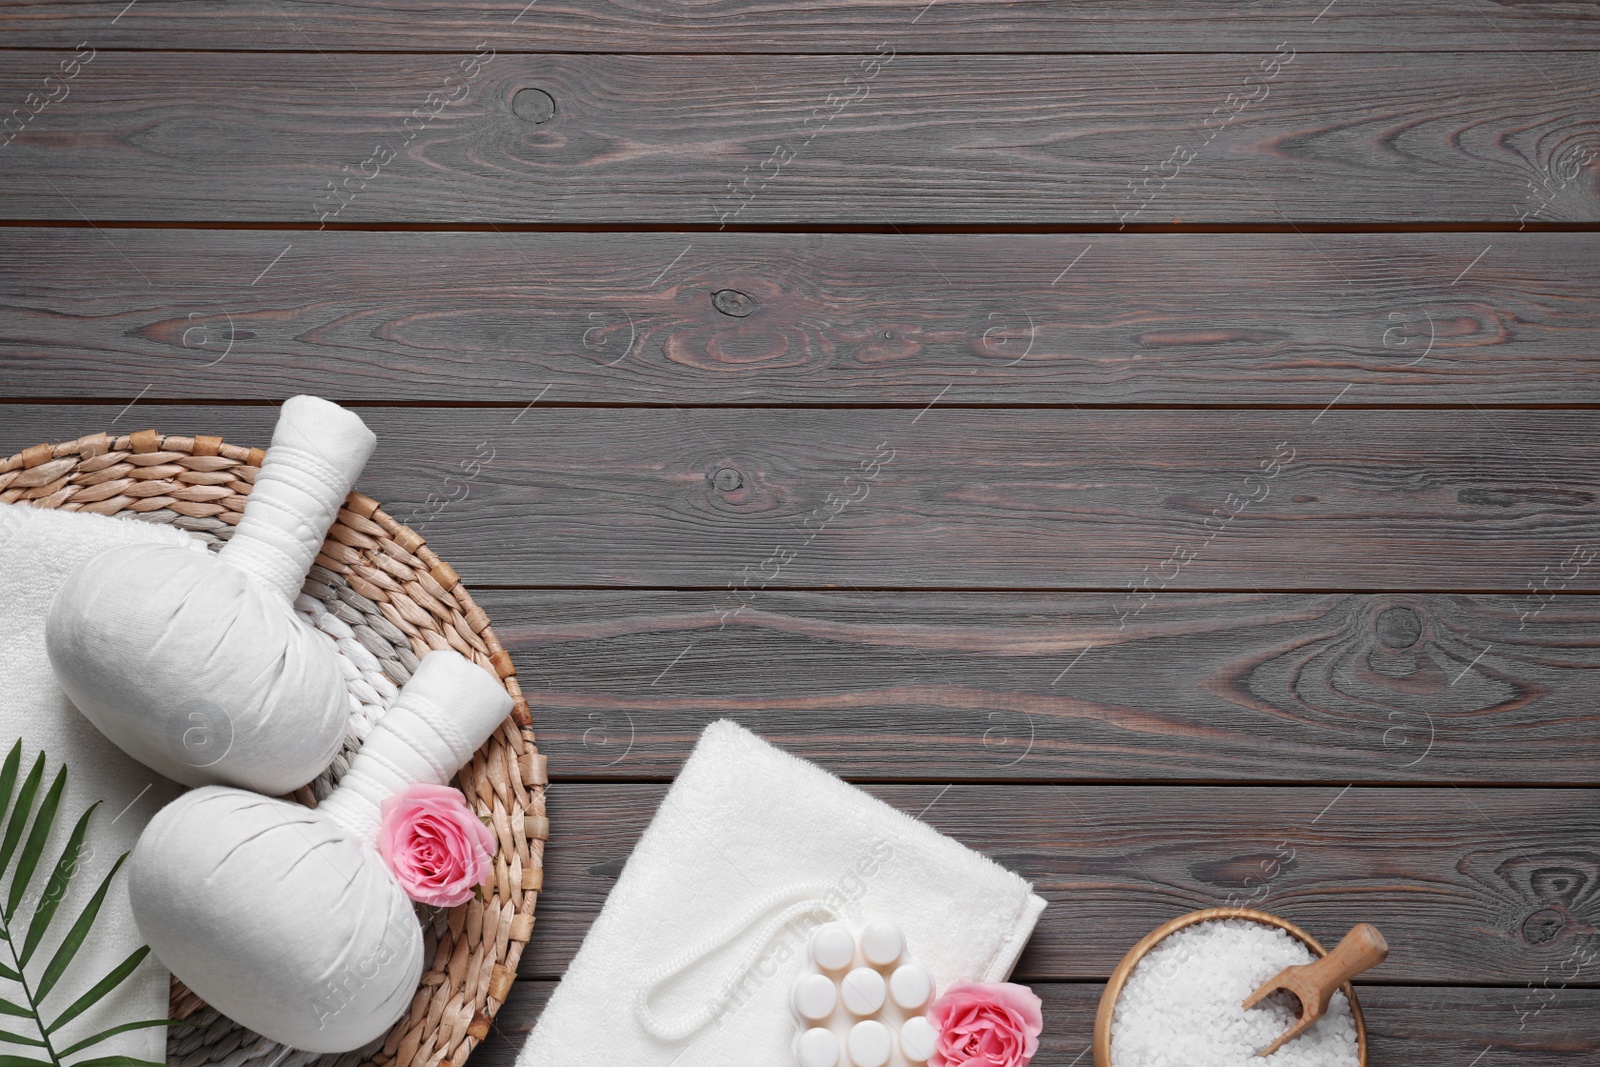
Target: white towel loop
809, 898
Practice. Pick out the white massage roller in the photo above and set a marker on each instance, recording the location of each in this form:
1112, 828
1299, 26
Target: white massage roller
861, 1000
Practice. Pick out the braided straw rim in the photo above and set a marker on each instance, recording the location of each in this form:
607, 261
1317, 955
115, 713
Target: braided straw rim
386, 570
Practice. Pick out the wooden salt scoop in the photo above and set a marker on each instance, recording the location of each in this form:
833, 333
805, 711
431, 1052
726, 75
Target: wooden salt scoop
1313, 984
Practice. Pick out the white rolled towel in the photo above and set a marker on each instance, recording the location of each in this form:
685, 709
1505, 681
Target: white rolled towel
196, 665
286, 919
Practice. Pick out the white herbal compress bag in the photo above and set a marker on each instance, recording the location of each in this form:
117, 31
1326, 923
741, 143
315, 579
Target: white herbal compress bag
196, 665
286, 919
705, 930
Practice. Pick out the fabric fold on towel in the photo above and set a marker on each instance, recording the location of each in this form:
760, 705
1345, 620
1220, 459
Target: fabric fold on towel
692, 957
38, 549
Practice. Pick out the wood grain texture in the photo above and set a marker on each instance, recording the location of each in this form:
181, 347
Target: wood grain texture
1148, 502
1428, 1026
1093, 140
584, 419
802, 318
823, 26
1027, 687
1468, 885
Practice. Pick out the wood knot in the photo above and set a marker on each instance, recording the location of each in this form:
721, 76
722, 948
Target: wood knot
533, 105
1399, 627
732, 302
1557, 883
1542, 925
727, 479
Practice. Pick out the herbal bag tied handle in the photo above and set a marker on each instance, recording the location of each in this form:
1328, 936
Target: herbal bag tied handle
196, 664
285, 918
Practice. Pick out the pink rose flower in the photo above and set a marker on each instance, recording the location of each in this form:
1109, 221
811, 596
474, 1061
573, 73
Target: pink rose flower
436, 847
986, 1024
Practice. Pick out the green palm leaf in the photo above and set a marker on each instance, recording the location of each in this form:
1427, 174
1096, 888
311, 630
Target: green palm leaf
19, 814
75, 937
114, 1031
118, 974
21, 949
33, 851
8, 775
56, 888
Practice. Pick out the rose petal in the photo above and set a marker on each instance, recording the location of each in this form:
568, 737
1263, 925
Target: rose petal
986, 1025
436, 847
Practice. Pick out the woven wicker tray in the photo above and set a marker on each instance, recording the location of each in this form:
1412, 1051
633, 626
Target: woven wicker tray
387, 600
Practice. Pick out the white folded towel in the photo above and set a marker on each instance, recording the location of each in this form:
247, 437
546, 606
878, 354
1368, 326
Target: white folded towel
38, 549
692, 957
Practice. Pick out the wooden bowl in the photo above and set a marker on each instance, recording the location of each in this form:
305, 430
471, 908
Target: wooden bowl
1108, 999
393, 596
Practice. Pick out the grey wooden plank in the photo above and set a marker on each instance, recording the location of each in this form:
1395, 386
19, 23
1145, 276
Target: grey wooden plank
1423, 1026
1029, 687
1138, 502
1498, 886
818, 140
801, 318
825, 26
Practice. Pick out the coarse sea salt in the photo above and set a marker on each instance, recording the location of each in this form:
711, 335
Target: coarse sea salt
1182, 1004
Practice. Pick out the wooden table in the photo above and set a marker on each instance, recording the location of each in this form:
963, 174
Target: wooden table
1155, 442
